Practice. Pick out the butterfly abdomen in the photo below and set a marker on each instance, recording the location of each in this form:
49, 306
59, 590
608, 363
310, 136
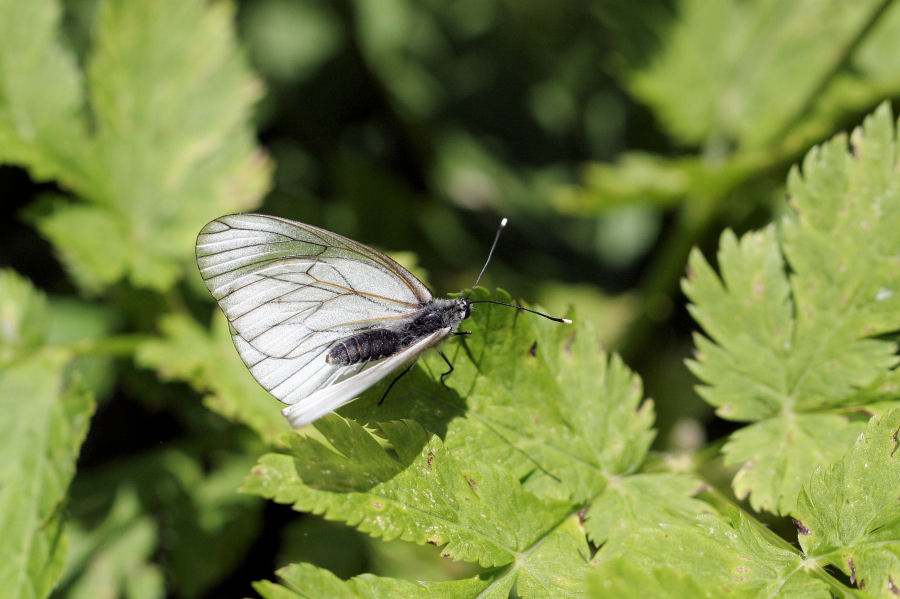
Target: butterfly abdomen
371, 345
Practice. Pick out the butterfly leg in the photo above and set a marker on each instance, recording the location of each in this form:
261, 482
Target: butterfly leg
446, 374
394, 382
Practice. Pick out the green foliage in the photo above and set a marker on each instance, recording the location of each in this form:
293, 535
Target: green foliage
736, 76
540, 467
304, 580
790, 353
720, 556
161, 133
848, 513
187, 351
45, 419
162, 498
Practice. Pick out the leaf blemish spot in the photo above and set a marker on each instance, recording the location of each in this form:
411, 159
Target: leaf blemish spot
567, 348
430, 459
532, 351
801, 529
894, 437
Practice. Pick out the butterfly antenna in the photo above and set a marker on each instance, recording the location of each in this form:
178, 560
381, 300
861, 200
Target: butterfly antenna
484, 268
547, 316
490, 254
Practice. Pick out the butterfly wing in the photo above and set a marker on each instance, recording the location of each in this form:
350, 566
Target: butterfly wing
290, 291
333, 396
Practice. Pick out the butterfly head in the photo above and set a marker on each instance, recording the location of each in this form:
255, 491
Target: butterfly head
443, 313
463, 308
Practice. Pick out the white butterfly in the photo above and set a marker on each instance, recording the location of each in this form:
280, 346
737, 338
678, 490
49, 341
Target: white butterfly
319, 318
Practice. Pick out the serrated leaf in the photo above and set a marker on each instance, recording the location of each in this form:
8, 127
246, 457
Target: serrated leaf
44, 130
540, 398
557, 567
633, 502
208, 361
725, 558
544, 405
849, 514
308, 581
45, 421
92, 264
783, 347
170, 146
478, 513
777, 454
745, 71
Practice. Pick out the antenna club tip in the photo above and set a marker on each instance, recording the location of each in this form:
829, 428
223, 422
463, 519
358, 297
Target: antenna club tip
566, 320
504, 221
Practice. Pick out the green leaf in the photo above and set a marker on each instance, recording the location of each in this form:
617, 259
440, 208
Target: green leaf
848, 514
540, 398
161, 504
208, 361
776, 455
91, 264
307, 581
23, 316
80, 322
546, 415
556, 567
631, 503
789, 348
745, 71
41, 95
868, 76
116, 556
170, 99
621, 577
426, 494
724, 558
45, 421
480, 513
639, 178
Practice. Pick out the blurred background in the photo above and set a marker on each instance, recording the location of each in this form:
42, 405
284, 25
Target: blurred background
615, 136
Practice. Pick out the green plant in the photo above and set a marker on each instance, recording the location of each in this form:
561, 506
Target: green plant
532, 471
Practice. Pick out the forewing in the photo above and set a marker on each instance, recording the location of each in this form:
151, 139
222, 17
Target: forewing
291, 290
345, 388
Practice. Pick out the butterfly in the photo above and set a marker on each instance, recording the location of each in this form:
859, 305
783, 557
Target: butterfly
319, 318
